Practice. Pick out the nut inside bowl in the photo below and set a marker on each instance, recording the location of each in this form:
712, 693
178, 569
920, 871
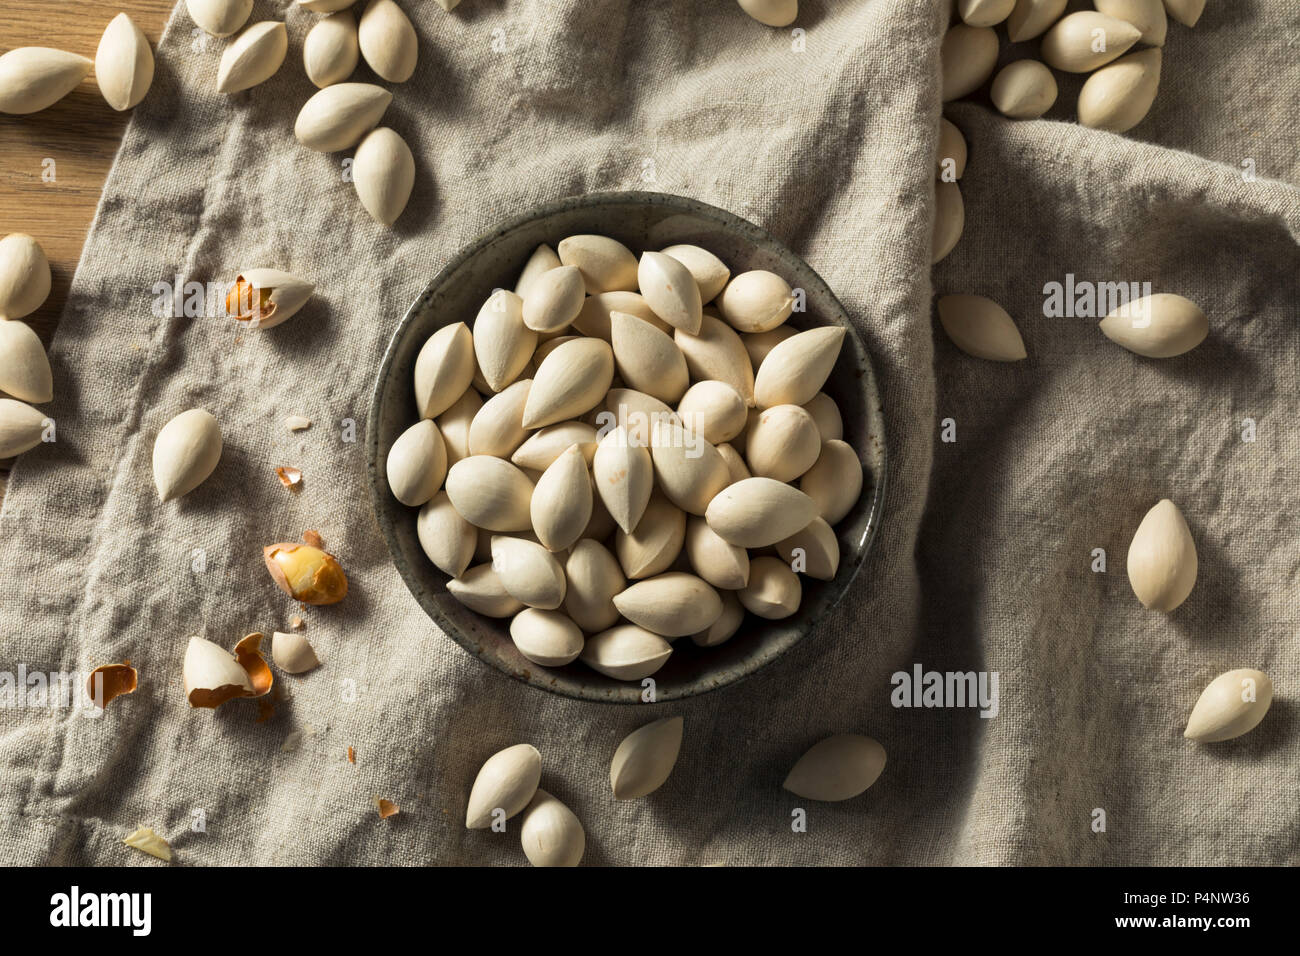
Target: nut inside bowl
642, 221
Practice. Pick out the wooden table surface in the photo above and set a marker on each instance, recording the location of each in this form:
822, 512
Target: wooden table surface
79, 134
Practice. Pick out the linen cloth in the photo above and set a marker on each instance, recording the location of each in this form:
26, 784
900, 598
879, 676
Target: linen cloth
984, 559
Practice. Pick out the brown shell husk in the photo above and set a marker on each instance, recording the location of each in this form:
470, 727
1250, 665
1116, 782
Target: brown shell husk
116, 680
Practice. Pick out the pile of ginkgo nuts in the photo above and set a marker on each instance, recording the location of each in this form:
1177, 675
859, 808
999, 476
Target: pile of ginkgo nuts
1121, 89
648, 424
1162, 561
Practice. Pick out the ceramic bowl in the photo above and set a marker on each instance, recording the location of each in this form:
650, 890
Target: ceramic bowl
641, 221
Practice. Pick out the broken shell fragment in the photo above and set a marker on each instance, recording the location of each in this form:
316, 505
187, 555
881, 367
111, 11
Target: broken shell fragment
306, 573
383, 172
1233, 704
388, 41
146, 841
220, 18
185, 453
837, 768
212, 675
293, 653
24, 276
248, 652
264, 298
339, 116
253, 58
33, 78
330, 53
551, 833
417, 463
110, 681
626, 652
123, 63
24, 367
980, 327
645, 758
1162, 560
506, 782
22, 427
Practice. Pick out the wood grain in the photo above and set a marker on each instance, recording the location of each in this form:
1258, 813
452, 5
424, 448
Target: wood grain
79, 134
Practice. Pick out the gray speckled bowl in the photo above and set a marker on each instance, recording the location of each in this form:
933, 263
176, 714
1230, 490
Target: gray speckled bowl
642, 221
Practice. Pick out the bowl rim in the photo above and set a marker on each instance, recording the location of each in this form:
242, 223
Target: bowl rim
752, 233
